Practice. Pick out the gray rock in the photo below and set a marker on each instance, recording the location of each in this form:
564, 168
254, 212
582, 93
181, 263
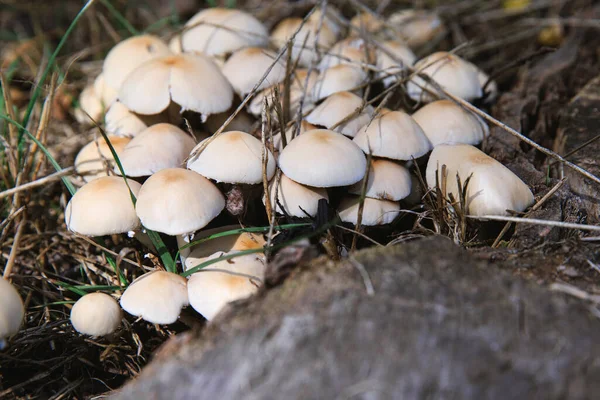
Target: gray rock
439, 325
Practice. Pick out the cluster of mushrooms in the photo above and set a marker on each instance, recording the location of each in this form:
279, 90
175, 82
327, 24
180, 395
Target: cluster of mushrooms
181, 180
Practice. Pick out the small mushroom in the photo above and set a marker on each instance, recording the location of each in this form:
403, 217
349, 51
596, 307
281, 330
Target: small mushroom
445, 122
90, 103
337, 108
492, 190
96, 314
341, 78
219, 31
245, 68
191, 81
393, 135
333, 18
375, 212
157, 297
218, 284
103, 207
11, 310
95, 158
352, 51
416, 27
107, 94
387, 180
388, 66
121, 121
291, 133
323, 158
297, 200
311, 39
156, 148
366, 22
178, 201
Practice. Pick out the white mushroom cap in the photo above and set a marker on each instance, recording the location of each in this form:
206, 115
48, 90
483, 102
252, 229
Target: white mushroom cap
90, 103
238, 242
491, 89
353, 51
492, 190
289, 134
387, 180
445, 122
295, 198
342, 77
175, 44
177, 201
216, 31
245, 68
336, 108
96, 314
194, 82
103, 207
332, 19
388, 66
375, 212
210, 289
305, 41
120, 121
393, 135
156, 148
323, 158
366, 22
157, 297
11, 309
233, 157
106, 93
130, 54
416, 27
451, 72
95, 158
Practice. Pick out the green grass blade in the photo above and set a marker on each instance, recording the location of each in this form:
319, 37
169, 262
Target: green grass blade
117, 270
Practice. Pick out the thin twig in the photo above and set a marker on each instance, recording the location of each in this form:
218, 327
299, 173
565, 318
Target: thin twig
40, 182
559, 224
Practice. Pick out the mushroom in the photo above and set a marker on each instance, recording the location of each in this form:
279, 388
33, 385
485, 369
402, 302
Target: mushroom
353, 51
333, 18
341, 78
129, 54
310, 38
178, 201
157, 297
492, 190
121, 121
445, 122
366, 22
375, 212
191, 81
386, 180
451, 72
245, 68
103, 207
90, 103
393, 135
337, 108
389, 68
95, 158
232, 157
291, 133
155, 148
297, 200
416, 27
218, 284
323, 158
107, 94
96, 314
218, 31
11, 310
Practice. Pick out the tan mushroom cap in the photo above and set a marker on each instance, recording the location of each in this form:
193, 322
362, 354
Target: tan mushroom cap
218, 284
337, 108
11, 309
96, 314
452, 73
291, 134
493, 188
216, 31
393, 135
416, 27
177, 201
120, 121
246, 67
333, 19
89, 103
232, 157
341, 78
194, 82
322, 158
237, 242
388, 65
311, 35
156, 148
107, 94
353, 51
129, 54
103, 207
375, 212
175, 45
157, 297
445, 122
387, 180
295, 198
95, 158
366, 22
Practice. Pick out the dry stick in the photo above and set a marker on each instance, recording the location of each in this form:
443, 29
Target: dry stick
342, 227
559, 224
12, 130
361, 205
90, 241
40, 182
265, 160
15, 248
535, 207
578, 148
